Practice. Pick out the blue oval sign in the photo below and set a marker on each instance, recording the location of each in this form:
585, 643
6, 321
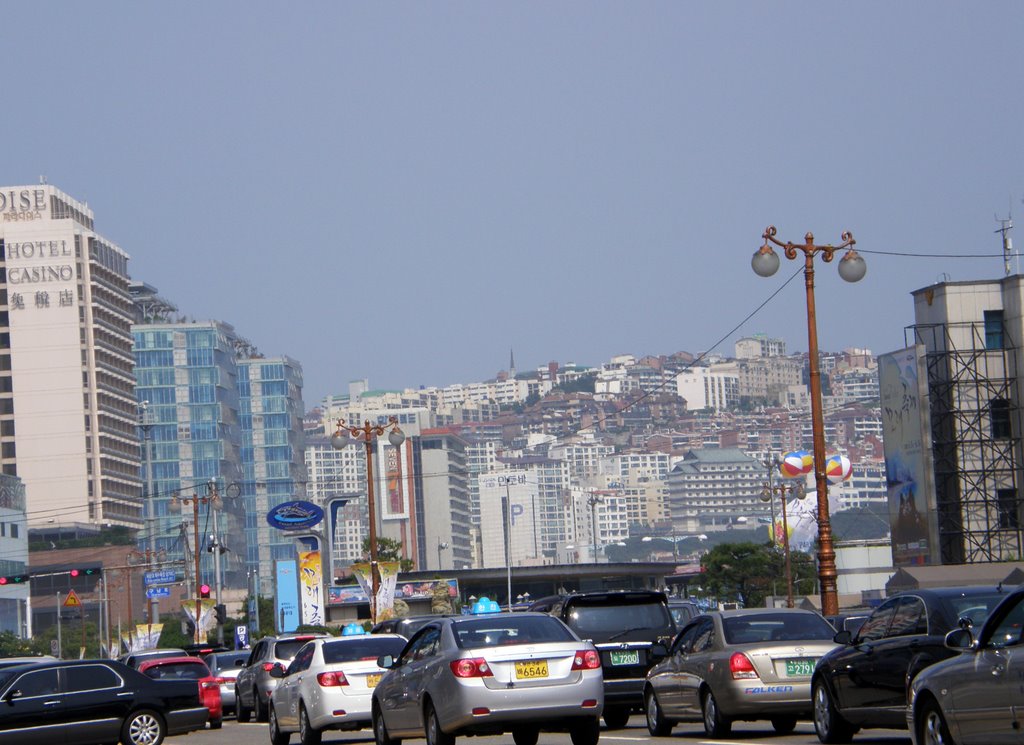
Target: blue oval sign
295, 515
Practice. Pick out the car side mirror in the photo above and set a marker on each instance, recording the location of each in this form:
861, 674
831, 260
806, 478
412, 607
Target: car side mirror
959, 639
277, 671
386, 661
843, 637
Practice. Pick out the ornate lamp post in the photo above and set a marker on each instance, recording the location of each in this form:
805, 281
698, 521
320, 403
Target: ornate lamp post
368, 434
213, 499
852, 269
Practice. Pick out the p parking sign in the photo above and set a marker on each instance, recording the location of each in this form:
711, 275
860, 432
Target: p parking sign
241, 637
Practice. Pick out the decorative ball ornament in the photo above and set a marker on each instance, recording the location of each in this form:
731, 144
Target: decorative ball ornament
796, 464
838, 469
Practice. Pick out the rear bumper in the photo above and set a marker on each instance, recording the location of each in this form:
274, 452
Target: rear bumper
554, 708
755, 699
180, 721
624, 692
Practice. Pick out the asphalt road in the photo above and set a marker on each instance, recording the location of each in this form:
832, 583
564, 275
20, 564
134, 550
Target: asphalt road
233, 733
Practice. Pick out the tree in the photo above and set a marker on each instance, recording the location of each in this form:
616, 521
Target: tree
389, 549
742, 572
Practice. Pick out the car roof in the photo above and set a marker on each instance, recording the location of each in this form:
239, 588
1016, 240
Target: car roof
617, 595
147, 664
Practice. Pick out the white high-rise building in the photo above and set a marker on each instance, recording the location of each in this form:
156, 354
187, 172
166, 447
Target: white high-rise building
68, 412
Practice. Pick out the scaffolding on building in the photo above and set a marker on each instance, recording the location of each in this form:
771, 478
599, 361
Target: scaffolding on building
975, 429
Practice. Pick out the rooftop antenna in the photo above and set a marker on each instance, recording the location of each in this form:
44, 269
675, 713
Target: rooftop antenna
1005, 226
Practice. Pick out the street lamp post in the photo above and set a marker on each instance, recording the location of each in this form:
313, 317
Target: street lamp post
146, 425
852, 269
593, 500
368, 434
213, 499
441, 546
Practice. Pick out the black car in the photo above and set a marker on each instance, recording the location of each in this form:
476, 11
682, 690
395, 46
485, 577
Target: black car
631, 630
85, 702
864, 683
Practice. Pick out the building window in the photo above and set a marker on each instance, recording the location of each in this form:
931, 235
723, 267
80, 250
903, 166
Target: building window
1008, 517
14, 530
999, 411
993, 329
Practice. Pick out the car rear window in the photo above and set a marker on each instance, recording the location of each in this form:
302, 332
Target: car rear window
286, 649
370, 648
604, 621
500, 630
769, 627
974, 607
179, 671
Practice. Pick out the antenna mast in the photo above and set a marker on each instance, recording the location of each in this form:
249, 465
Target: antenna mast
1005, 226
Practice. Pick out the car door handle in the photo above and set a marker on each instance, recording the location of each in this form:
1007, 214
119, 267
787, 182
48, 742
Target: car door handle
51, 703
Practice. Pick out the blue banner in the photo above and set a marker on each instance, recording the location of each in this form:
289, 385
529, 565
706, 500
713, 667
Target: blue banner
287, 601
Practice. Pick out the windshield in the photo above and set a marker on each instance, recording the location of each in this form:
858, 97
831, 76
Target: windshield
764, 627
604, 622
369, 648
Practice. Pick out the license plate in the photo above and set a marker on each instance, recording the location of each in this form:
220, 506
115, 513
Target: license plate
529, 669
373, 679
799, 668
632, 657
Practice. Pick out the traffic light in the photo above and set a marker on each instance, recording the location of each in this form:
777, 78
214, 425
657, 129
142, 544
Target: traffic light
204, 591
85, 571
221, 612
14, 579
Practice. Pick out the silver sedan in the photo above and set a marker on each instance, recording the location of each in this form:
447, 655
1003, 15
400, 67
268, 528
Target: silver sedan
488, 674
974, 698
738, 665
327, 686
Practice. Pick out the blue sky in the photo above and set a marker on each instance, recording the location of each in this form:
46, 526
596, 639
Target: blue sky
405, 191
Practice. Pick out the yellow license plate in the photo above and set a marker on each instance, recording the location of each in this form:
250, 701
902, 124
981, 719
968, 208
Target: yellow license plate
529, 669
373, 679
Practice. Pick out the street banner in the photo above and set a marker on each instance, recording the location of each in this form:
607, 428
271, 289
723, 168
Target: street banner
287, 605
147, 636
388, 571
311, 587
207, 617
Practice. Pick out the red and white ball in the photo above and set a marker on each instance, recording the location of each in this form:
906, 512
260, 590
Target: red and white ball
796, 464
838, 469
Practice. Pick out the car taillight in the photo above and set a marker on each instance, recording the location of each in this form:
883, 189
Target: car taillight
268, 666
471, 667
330, 680
586, 659
222, 681
741, 667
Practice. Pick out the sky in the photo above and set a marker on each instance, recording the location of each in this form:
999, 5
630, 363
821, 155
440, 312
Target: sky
406, 192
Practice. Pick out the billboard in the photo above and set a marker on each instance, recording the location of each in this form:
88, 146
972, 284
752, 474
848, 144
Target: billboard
286, 610
906, 432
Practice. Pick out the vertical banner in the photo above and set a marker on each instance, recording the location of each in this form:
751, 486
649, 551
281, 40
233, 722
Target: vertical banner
286, 606
311, 578
147, 636
906, 441
392, 497
388, 571
207, 618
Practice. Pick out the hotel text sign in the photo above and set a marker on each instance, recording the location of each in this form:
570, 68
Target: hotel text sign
27, 204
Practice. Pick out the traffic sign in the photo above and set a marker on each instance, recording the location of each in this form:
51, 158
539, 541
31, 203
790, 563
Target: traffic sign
160, 577
72, 601
158, 592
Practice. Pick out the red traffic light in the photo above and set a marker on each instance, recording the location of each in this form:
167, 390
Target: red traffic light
74, 572
204, 591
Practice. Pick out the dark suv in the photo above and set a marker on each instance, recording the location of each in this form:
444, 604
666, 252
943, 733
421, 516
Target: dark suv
254, 683
631, 629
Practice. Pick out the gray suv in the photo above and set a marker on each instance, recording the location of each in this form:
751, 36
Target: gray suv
254, 683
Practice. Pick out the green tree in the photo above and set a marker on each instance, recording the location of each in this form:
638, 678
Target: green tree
389, 549
742, 572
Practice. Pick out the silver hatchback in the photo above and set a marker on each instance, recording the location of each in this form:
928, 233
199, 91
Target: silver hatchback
254, 683
488, 674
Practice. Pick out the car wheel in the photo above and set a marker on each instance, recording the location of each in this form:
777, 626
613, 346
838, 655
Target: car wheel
931, 726
657, 724
277, 737
615, 717
307, 734
436, 735
380, 731
783, 725
828, 722
258, 707
585, 732
242, 712
216, 723
526, 735
716, 724
143, 727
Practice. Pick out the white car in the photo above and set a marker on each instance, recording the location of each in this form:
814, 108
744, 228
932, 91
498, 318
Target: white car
328, 685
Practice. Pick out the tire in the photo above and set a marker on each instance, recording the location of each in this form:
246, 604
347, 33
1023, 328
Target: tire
277, 737
615, 717
242, 712
585, 732
143, 727
931, 725
828, 722
216, 723
308, 735
657, 724
716, 724
783, 725
526, 735
380, 731
435, 735
259, 708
